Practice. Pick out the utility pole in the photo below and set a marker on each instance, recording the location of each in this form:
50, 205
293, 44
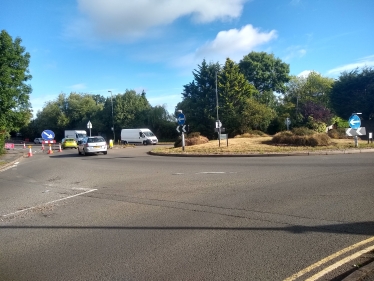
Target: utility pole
114, 134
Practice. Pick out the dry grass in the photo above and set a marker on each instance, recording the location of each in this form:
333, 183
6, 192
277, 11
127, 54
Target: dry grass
262, 145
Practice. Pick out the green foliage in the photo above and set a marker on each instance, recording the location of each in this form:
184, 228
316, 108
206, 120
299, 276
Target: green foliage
265, 72
339, 122
235, 98
354, 92
317, 126
199, 99
309, 96
302, 131
289, 138
255, 116
15, 109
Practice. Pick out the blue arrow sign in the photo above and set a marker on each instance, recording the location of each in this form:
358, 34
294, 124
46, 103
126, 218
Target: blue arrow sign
354, 122
48, 135
181, 119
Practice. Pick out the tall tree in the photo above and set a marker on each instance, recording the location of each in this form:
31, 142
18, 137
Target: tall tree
130, 110
199, 99
15, 108
354, 92
267, 73
310, 96
233, 90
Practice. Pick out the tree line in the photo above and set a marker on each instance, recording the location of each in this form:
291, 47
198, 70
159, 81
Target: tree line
257, 93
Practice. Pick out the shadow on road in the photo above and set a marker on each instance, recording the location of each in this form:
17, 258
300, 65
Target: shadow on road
359, 228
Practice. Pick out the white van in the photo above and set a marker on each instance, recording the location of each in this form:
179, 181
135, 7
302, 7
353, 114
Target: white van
140, 136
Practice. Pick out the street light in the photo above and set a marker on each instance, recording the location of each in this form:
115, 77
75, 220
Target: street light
114, 134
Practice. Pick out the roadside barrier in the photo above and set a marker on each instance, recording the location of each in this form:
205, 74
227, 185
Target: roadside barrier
50, 151
30, 152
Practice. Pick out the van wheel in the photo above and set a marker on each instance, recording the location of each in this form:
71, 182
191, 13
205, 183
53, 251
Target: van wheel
124, 142
144, 142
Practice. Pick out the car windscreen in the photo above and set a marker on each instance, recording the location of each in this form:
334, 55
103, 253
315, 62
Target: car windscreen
91, 140
69, 140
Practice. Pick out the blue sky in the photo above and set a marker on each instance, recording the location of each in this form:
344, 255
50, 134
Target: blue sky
93, 46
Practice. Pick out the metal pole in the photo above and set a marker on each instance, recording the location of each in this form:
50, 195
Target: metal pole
114, 134
218, 122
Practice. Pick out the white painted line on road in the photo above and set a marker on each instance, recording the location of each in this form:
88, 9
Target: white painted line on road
51, 202
9, 167
329, 258
210, 173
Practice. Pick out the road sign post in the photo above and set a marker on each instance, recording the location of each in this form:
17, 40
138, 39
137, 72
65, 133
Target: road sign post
89, 126
355, 123
181, 119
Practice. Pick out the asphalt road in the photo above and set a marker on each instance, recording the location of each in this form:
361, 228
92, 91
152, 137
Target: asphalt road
131, 216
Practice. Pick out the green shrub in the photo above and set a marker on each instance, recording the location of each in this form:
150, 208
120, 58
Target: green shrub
302, 131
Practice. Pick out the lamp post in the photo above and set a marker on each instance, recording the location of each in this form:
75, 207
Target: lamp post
111, 98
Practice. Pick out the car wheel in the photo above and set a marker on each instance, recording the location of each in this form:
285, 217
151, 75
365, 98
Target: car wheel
84, 152
144, 142
79, 152
105, 152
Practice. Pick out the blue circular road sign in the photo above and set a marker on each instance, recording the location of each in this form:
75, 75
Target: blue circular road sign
48, 135
354, 122
181, 119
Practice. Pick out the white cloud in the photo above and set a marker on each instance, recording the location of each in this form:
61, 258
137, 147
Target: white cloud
304, 73
363, 62
120, 19
233, 44
78, 87
294, 52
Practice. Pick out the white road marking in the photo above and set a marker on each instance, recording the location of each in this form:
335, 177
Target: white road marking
210, 173
7, 168
329, 258
51, 202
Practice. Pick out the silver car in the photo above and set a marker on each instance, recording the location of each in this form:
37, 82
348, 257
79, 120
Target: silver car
91, 145
38, 140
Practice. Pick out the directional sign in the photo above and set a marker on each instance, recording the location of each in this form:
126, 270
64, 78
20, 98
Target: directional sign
48, 135
354, 122
181, 119
355, 132
183, 129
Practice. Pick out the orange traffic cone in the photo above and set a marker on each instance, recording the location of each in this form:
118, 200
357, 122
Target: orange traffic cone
30, 152
50, 151
43, 147
59, 147
24, 145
